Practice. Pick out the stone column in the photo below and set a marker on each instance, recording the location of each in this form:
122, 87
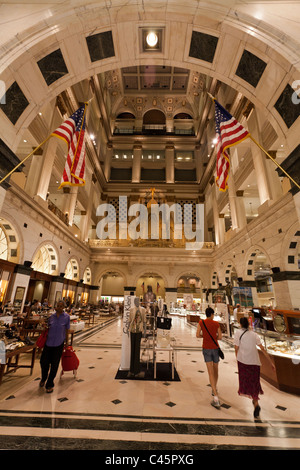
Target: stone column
48, 159
237, 207
107, 160
259, 161
286, 285
170, 166
199, 162
215, 214
55, 287
136, 163
87, 216
70, 195
33, 177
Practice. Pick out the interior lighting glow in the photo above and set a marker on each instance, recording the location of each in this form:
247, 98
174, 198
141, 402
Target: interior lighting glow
151, 39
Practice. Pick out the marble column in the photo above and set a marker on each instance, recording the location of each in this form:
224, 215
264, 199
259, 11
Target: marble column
33, 177
275, 183
70, 198
87, 217
108, 160
170, 164
259, 161
48, 158
237, 207
199, 162
137, 163
219, 223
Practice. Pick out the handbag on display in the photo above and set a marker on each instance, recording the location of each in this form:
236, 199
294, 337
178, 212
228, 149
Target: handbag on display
220, 352
41, 341
164, 323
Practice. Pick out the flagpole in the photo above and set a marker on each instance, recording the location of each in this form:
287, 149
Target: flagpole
19, 164
273, 160
263, 150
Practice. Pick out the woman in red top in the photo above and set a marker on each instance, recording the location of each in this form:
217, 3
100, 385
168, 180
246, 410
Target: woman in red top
210, 350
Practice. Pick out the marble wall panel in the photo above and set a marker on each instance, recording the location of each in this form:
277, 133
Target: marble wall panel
15, 103
203, 46
250, 68
286, 108
53, 67
100, 46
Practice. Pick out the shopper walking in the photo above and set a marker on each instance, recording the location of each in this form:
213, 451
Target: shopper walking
58, 331
246, 342
210, 330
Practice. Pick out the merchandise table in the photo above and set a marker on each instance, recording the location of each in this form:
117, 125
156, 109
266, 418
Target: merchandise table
12, 366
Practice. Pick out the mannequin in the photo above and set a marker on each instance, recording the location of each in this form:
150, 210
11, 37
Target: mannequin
136, 328
149, 296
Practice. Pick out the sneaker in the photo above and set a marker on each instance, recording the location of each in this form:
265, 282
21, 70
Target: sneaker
216, 403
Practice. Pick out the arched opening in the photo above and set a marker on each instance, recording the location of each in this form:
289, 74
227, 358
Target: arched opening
87, 276
44, 265
154, 122
9, 242
9, 251
150, 283
126, 116
45, 260
112, 287
72, 270
189, 291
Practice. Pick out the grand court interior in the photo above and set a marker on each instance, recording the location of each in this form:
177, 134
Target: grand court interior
150, 139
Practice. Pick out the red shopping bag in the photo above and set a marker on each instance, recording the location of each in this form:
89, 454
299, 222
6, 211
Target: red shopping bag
69, 360
41, 341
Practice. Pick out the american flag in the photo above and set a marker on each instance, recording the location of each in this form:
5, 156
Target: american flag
229, 132
72, 131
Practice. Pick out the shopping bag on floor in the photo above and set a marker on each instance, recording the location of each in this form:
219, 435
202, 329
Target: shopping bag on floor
69, 360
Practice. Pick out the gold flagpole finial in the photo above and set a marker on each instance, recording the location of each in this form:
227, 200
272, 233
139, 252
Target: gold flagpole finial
211, 96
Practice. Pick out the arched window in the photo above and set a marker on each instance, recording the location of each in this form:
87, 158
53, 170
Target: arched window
183, 116
72, 270
154, 116
87, 276
126, 116
45, 260
3, 245
9, 242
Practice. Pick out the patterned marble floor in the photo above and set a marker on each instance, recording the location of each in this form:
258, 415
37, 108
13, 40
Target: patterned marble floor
96, 411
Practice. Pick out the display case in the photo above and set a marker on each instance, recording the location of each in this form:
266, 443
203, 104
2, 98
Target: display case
284, 350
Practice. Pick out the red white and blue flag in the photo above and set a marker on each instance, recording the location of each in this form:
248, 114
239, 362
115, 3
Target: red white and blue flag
229, 133
72, 131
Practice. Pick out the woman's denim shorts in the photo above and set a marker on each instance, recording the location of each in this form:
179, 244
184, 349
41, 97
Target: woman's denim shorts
211, 355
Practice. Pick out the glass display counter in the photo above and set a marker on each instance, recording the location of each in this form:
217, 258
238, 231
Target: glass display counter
284, 350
